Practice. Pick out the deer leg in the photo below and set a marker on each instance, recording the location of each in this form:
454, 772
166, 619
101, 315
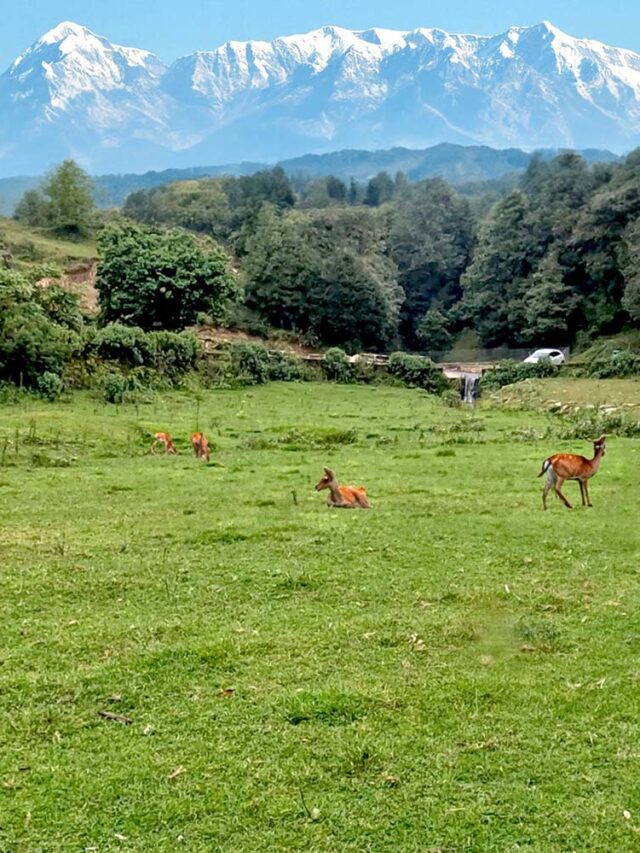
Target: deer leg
152, 449
559, 483
586, 491
551, 479
582, 487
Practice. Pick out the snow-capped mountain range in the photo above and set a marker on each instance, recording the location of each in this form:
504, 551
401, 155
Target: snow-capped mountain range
74, 93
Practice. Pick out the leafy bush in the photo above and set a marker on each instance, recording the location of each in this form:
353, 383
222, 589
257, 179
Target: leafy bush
128, 345
615, 364
336, 366
116, 388
284, 367
31, 342
61, 306
250, 363
254, 364
174, 353
509, 372
161, 279
588, 424
31, 345
417, 371
50, 385
451, 398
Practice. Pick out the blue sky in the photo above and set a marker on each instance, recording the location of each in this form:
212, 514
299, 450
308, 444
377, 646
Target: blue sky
171, 28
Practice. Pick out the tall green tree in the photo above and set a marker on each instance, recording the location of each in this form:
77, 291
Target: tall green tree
281, 265
379, 190
326, 273
505, 255
432, 331
431, 240
336, 189
546, 307
160, 279
32, 209
70, 206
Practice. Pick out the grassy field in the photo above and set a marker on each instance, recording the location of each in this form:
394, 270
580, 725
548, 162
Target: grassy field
453, 671
535, 393
38, 244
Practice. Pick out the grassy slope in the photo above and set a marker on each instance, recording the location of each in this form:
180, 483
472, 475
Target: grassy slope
50, 248
566, 389
455, 670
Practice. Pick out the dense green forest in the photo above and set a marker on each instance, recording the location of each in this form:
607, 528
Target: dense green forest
549, 258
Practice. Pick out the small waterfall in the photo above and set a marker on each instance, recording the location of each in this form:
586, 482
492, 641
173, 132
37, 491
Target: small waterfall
470, 387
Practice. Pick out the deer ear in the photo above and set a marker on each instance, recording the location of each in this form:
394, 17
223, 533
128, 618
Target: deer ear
329, 472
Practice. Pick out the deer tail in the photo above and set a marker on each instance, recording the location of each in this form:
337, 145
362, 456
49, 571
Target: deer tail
545, 467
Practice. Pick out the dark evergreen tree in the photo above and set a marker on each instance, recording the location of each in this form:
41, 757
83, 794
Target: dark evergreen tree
431, 240
379, 190
505, 256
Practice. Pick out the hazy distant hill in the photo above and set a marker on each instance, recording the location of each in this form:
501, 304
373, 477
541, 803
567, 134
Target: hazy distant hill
457, 164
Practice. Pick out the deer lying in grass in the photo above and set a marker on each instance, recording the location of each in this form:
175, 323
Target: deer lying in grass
165, 439
343, 497
567, 466
200, 445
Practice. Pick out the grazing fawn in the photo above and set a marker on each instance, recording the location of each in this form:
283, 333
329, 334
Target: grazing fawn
567, 466
344, 497
200, 445
165, 439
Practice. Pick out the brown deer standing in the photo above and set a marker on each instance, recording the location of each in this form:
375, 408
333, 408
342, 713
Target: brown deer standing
165, 439
567, 466
200, 445
343, 497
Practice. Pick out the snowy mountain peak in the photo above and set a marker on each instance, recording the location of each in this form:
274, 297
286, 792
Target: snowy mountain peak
73, 92
64, 30
68, 40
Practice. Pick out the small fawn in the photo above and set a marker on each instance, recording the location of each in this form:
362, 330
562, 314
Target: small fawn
567, 466
344, 497
200, 445
165, 439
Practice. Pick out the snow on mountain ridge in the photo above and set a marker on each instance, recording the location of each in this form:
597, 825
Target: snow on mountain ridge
74, 91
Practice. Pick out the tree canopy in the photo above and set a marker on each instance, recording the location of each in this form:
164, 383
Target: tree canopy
324, 274
532, 260
161, 279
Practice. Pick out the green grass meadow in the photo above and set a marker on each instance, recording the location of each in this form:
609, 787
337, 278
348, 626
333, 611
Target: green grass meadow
455, 670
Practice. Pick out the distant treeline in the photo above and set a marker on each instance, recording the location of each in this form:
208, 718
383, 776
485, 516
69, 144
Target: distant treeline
474, 166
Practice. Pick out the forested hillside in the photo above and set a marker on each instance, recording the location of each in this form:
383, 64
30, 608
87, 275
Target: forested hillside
546, 260
550, 258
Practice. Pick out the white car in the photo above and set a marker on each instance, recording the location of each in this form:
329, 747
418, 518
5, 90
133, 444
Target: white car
555, 356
